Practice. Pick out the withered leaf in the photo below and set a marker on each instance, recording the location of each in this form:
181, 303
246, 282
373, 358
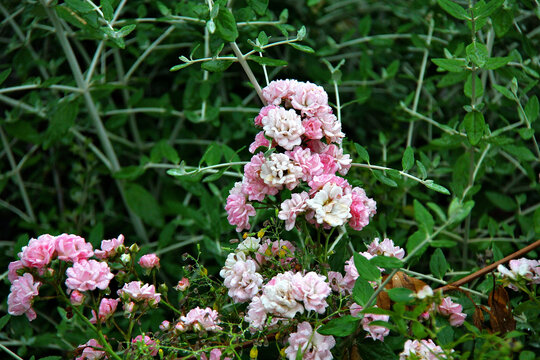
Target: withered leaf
399, 280
478, 317
500, 315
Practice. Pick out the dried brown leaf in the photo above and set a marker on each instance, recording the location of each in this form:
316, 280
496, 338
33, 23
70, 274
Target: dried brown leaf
500, 315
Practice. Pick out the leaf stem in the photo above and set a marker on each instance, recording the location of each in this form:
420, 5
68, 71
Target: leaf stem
242, 60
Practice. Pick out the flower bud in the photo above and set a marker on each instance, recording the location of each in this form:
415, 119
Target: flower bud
149, 261
129, 307
180, 327
125, 259
253, 353
134, 249
163, 288
76, 297
165, 325
182, 284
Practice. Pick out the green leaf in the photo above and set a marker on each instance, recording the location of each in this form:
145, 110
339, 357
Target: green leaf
213, 155
226, 25
436, 187
488, 9
126, 30
387, 262
162, 149
527, 355
267, 61
438, 264
477, 53
531, 109
262, 38
421, 169
408, 159
362, 152
107, 9
259, 6
507, 93
536, 221
401, 295
497, 62
474, 126
501, 201
4, 320
520, 152
366, 269
142, 203
478, 88
80, 6
452, 65
4, 75
216, 65
458, 211
62, 120
364, 26
72, 17
453, 9
180, 66
362, 291
422, 216
502, 21
341, 326
129, 172
382, 178
301, 47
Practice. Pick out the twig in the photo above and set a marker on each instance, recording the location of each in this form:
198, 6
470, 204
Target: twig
242, 60
489, 268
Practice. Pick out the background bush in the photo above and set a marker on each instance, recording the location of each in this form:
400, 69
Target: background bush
93, 118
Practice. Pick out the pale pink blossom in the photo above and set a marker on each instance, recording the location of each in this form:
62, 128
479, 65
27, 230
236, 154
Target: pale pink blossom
337, 161
136, 291
291, 208
424, 349
425, 292
88, 275
362, 209
165, 325
76, 298
215, 354
107, 307
73, 248
376, 332
263, 113
318, 182
109, 248
260, 140
39, 252
310, 99
202, 319
331, 127
283, 249
385, 248
279, 91
313, 128
284, 126
312, 290
91, 351
331, 205
249, 245
309, 162
256, 314
146, 342
13, 268
232, 259
239, 210
453, 310
183, 284
335, 279
180, 327
22, 292
278, 296
243, 281
520, 270
149, 261
252, 184
309, 343
279, 170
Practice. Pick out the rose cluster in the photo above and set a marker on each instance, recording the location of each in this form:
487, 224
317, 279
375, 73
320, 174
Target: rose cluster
305, 138
522, 271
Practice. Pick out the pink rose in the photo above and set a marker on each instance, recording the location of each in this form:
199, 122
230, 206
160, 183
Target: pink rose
23, 290
182, 284
107, 307
91, 351
109, 247
136, 291
39, 252
88, 275
149, 261
202, 319
73, 248
146, 342
76, 298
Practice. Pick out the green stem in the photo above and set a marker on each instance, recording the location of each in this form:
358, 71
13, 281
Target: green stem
10, 352
242, 60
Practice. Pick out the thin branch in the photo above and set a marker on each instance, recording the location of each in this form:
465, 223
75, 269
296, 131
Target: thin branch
241, 58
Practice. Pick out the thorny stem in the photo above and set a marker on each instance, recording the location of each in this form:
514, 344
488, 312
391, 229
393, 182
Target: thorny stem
242, 60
